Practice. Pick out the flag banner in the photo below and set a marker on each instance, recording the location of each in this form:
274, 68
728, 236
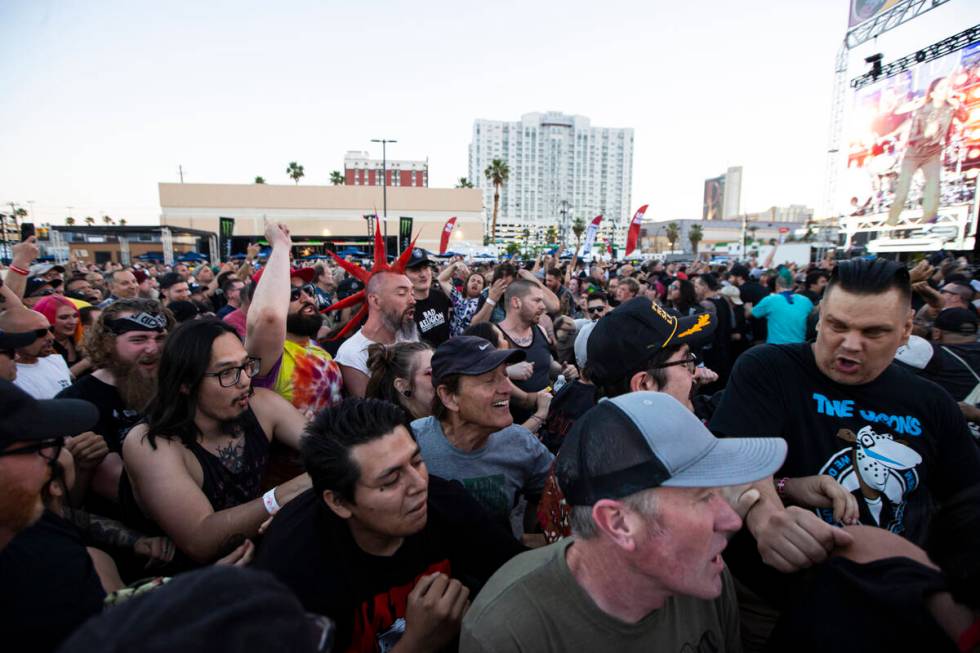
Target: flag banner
590, 234
633, 237
226, 227
404, 232
447, 231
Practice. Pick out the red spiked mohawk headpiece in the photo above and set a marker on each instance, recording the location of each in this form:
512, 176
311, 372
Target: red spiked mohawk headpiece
362, 275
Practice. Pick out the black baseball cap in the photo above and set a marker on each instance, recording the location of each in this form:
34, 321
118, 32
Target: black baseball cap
957, 320
470, 356
10, 340
625, 339
25, 419
643, 440
34, 284
419, 257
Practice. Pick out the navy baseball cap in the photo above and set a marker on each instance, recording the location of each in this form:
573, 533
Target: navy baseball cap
644, 440
470, 356
26, 419
419, 257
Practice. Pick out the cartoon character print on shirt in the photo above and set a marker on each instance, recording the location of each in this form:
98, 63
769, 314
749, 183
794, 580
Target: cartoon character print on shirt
881, 469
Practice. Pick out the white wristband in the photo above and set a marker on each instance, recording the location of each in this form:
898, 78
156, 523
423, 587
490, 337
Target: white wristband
491, 302
269, 499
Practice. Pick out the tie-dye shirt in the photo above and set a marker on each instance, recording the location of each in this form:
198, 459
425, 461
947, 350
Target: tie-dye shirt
306, 376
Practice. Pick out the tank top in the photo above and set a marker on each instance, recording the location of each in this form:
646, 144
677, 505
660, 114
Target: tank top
539, 353
229, 487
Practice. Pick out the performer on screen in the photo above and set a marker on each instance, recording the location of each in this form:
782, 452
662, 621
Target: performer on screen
931, 122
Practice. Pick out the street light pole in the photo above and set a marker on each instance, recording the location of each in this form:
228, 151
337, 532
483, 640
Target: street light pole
384, 180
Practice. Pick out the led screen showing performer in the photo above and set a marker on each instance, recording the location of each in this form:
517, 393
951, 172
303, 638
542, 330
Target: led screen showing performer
914, 141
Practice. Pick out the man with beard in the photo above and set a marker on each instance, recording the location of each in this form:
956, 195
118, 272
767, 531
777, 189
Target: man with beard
194, 469
124, 346
41, 372
282, 323
391, 319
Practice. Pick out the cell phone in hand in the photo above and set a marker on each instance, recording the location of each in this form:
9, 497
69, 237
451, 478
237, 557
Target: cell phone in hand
26, 230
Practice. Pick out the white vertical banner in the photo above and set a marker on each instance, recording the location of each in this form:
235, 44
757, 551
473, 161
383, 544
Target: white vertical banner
590, 234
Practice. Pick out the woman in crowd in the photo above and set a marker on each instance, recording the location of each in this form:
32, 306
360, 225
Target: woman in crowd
682, 297
466, 303
402, 374
66, 326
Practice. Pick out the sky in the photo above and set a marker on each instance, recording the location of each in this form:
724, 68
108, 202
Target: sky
105, 99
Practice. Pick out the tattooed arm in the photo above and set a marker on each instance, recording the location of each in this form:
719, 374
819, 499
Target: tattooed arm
102, 530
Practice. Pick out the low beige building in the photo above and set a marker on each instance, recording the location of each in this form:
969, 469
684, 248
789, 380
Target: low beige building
325, 214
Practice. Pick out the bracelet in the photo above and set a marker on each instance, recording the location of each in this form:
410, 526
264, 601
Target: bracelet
781, 486
491, 302
21, 271
269, 499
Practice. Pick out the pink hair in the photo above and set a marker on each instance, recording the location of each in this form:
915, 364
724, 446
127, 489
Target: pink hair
48, 307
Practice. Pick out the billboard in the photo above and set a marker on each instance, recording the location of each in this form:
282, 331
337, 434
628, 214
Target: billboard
862, 10
913, 143
714, 198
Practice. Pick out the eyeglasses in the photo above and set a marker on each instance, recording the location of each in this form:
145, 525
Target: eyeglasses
42, 293
596, 309
48, 449
690, 360
230, 376
296, 290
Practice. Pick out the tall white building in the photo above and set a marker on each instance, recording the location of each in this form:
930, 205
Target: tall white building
557, 162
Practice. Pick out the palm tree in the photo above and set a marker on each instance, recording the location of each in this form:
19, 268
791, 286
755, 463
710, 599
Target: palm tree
551, 235
70, 221
525, 234
578, 228
122, 222
295, 171
260, 180
512, 248
464, 183
752, 231
695, 235
106, 219
89, 220
496, 173
336, 178
673, 233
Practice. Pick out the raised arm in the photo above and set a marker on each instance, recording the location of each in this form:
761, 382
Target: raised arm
266, 322
445, 277
551, 302
494, 295
24, 254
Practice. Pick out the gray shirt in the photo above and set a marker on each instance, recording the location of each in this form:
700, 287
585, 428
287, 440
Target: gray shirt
512, 462
534, 603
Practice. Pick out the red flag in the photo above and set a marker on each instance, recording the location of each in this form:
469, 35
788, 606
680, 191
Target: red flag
446, 233
634, 233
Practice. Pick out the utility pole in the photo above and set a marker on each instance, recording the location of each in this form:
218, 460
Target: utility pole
384, 180
180, 172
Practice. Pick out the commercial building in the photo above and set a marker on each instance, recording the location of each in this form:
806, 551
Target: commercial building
324, 217
722, 195
361, 170
561, 168
716, 235
791, 213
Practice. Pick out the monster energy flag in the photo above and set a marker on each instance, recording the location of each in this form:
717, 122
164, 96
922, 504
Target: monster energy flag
226, 227
404, 232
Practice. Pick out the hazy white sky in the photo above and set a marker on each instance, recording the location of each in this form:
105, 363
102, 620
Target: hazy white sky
102, 100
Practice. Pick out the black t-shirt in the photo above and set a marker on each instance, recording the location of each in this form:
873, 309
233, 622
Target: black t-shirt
48, 585
432, 317
947, 371
115, 419
909, 439
571, 402
312, 551
752, 292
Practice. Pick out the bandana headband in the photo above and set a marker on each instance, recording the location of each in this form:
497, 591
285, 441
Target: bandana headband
137, 322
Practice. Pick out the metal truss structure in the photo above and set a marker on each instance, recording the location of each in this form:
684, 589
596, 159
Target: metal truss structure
903, 12
934, 51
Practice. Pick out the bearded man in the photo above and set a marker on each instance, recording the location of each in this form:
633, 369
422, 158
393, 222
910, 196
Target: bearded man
391, 319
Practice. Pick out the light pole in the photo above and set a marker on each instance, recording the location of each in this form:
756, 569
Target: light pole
384, 180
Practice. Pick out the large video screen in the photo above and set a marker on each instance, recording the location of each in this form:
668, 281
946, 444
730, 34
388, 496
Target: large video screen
714, 199
913, 142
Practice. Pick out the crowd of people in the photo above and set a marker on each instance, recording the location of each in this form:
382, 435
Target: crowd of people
539, 455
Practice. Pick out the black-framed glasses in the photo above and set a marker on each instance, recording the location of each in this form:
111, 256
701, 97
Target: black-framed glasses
294, 291
51, 445
230, 376
690, 360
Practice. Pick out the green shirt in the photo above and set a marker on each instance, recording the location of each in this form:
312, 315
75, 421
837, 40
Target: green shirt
533, 603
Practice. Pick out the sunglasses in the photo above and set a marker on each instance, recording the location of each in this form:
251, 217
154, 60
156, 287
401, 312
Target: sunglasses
295, 291
49, 449
596, 309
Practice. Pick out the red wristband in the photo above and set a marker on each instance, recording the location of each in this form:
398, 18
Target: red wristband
21, 271
970, 637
